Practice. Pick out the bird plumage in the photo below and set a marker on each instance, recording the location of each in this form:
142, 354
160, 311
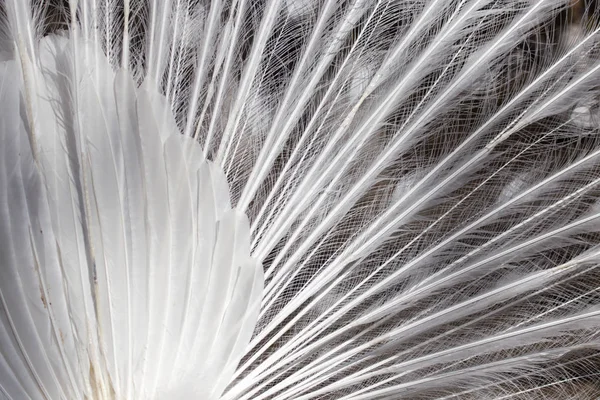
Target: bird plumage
248, 199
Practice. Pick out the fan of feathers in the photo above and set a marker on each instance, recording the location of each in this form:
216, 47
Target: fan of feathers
419, 180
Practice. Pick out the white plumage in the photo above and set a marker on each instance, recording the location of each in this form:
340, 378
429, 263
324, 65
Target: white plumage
312, 199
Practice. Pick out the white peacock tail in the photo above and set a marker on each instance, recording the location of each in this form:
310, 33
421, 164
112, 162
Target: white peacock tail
299, 199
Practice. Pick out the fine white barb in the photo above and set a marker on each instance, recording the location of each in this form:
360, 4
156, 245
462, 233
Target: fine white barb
299, 199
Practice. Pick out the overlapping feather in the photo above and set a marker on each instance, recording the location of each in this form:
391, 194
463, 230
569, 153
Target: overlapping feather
123, 258
421, 180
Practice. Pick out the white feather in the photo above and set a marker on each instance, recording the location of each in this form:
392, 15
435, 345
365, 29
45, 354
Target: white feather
248, 199
124, 234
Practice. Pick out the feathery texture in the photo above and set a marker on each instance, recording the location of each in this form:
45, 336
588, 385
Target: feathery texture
125, 271
420, 183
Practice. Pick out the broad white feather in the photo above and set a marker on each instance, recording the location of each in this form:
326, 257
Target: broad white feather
118, 229
314, 199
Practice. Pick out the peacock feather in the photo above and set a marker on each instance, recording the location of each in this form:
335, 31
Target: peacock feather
299, 199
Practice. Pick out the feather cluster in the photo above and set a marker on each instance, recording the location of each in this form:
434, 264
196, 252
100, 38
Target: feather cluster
125, 272
419, 180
